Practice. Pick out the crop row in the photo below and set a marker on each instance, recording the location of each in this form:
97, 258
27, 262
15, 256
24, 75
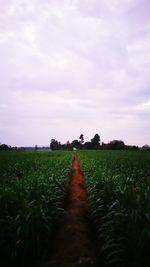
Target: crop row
118, 187
33, 186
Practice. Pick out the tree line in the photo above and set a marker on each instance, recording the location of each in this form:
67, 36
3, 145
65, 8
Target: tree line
95, 143
77, 143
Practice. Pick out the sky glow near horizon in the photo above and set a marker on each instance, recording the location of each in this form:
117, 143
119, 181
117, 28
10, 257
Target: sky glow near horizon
74, 66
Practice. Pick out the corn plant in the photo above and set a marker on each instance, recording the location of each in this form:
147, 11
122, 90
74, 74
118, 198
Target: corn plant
33, 186
118, 186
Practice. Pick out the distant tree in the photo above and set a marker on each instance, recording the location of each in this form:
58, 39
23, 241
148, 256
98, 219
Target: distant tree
146, 147
95, 141
116, 144
55, 144
104, 145
87, 145
68, 145
81, 138
4, 147
75, 143
36, 147
132, 147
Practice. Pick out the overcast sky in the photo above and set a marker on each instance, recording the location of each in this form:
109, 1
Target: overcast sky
74, 66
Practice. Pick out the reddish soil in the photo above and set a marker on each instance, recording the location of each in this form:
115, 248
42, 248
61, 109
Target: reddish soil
73, 246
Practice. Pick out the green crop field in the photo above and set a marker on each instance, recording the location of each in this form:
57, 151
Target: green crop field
118, 187
32, 189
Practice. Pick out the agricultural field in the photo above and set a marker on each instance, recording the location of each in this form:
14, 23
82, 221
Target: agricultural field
118, 188
38, 188
33, 186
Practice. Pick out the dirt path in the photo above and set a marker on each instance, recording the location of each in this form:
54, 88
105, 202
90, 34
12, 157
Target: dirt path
72, 245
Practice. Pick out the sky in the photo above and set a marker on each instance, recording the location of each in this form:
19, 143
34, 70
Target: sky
74, 66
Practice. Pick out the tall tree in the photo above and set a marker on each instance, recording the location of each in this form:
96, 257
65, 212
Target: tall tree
95, 141
55, 144
81, 138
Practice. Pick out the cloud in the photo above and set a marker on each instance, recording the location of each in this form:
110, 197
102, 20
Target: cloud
75, 65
